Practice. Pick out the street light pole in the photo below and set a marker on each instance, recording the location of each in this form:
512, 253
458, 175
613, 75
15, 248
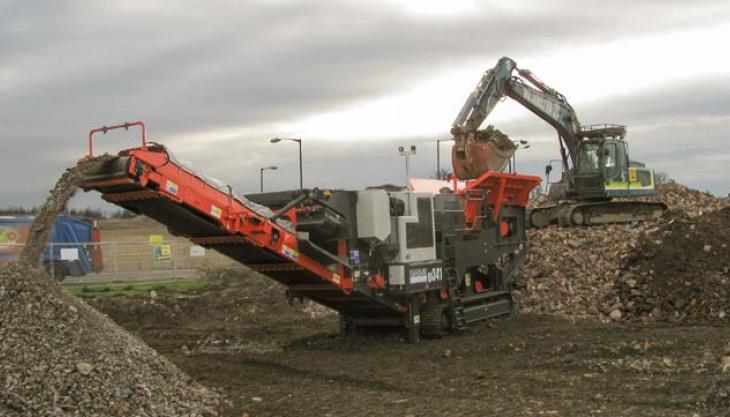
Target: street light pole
301, 177
298, 141
518, 143
438, 158
261, 175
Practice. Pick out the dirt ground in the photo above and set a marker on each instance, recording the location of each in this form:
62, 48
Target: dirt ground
269, 359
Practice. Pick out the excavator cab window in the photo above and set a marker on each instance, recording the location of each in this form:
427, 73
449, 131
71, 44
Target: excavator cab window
615, 160
588, 158
609, 157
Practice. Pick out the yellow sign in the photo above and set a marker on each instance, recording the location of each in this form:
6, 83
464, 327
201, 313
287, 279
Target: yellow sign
161, 252
12, 239
156, 240
215, 211
632, 174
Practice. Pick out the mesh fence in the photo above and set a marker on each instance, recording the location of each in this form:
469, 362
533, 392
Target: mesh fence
123, 260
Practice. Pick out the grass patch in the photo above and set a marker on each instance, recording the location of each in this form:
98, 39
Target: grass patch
168, 286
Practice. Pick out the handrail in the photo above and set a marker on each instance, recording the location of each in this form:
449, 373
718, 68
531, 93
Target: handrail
125, 125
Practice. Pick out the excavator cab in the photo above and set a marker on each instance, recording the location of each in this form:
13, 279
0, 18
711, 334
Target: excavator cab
601, 160
603, 170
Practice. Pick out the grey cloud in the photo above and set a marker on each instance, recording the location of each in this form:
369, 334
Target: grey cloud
702, 97
239, 64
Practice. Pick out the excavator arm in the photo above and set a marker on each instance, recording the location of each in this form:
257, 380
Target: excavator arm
526, 89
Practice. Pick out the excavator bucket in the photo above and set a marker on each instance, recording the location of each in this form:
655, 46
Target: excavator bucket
477, 152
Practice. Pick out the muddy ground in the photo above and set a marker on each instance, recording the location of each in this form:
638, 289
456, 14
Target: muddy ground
269, 359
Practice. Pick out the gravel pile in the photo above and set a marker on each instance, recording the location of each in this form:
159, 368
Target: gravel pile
673, 268
59, 356
257, 291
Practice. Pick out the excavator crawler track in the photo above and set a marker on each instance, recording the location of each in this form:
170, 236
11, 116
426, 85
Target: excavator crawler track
595, 213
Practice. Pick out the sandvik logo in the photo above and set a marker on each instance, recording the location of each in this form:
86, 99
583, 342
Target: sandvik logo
425, 275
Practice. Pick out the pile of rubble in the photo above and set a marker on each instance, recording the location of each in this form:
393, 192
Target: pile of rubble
675, 267
258, 289
680, 269
572, 272
684, 200
59, 356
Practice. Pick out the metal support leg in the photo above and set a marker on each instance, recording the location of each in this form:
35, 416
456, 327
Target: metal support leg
414, 321
347, 327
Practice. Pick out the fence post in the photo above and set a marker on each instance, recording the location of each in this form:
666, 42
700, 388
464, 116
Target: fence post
172, 258
49, 246
116, 267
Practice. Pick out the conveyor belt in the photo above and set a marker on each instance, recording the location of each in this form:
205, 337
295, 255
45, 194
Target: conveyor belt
147, 181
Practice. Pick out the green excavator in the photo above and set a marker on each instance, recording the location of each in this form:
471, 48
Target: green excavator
598, 181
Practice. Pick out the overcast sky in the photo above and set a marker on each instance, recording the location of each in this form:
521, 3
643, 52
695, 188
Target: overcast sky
214, 80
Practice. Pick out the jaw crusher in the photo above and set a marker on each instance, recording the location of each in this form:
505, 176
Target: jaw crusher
424, 263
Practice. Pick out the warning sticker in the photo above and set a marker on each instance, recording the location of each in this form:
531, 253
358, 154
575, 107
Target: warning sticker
355, 257
171, 187
215, 211
157, 240
290, 252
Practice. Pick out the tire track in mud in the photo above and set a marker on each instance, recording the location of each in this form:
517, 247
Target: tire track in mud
290, 371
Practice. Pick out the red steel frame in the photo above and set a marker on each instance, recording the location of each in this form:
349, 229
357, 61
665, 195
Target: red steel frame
123, 125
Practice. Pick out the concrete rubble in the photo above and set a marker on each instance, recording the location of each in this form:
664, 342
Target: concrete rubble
674, 268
